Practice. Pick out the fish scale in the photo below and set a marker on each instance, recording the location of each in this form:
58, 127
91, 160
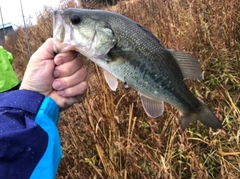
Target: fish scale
154, 55
129, 52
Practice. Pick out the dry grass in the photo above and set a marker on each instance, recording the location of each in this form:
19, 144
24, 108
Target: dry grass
110, 136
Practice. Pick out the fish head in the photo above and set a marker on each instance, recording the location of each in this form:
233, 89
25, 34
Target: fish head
83, 31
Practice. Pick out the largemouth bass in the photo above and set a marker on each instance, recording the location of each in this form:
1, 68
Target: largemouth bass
129, 52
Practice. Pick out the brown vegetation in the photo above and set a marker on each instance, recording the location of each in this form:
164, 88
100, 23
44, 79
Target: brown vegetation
110, 136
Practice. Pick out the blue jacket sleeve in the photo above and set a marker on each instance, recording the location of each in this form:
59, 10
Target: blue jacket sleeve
29, 139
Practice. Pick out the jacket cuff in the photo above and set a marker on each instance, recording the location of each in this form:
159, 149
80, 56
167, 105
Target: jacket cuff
25, 100
50, 109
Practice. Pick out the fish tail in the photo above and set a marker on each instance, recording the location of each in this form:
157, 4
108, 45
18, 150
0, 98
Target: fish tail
204, 115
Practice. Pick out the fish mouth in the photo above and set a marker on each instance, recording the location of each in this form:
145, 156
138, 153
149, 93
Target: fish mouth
61, 33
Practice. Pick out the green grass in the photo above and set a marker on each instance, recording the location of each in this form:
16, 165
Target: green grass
110, 136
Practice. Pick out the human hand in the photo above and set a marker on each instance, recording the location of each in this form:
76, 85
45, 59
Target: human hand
60, 77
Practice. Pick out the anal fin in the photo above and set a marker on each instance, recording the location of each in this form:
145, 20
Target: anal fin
153, 107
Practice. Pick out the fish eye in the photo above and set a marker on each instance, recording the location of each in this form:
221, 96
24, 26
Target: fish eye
75, 19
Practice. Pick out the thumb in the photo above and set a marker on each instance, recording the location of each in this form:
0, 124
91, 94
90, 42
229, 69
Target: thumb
45, 51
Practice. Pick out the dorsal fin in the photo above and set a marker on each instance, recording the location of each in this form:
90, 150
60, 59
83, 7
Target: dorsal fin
153, 107
190, 66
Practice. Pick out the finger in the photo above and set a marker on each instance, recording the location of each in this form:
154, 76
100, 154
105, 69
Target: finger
65, 57
68, 102
70, 81
79, 98
45, 51
77, 90
62, 102
68, 68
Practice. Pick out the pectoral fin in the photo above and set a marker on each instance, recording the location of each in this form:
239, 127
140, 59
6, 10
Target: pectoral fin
111, 80
190, 66
153, 107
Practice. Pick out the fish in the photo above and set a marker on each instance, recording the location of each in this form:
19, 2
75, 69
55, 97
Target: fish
128, 52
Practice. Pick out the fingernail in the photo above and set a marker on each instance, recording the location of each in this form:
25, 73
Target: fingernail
59, 60
60, 92
56, 85
56, 74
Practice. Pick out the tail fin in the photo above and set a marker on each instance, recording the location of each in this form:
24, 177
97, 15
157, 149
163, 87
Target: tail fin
204, 115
